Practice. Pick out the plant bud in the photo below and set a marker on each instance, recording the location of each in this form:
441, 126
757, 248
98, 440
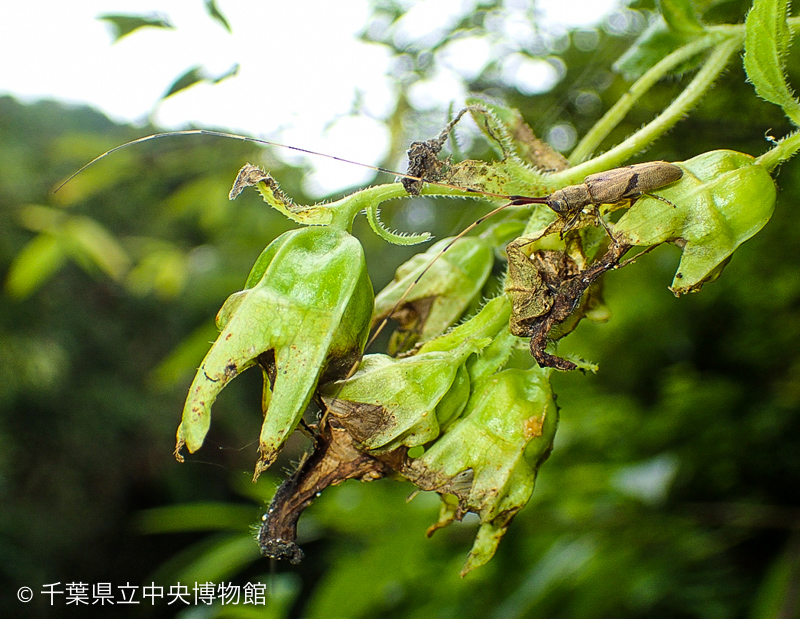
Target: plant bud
490, 456
391, 402
443, 293
305, 314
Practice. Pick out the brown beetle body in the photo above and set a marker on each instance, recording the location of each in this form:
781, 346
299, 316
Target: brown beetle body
613, 186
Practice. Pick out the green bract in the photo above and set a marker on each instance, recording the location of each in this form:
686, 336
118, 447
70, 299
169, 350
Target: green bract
392, 402
485, 433
722, 200
490, 456
305, 311
442, 294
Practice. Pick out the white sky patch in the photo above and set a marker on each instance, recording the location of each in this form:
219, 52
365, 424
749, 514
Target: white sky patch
574, 13
438, 91
302, 66
648, 481
342, 140
467, 56
529, 75
422, 24
518, 28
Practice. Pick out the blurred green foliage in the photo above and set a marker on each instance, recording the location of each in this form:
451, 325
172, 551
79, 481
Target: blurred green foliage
672, 490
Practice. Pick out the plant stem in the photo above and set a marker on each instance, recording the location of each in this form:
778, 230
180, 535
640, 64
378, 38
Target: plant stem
782, 151
620, 109
640, 140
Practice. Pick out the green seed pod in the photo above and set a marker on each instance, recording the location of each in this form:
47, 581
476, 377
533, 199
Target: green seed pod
392, 402
490, 456
443, 293
722, 200
305, 313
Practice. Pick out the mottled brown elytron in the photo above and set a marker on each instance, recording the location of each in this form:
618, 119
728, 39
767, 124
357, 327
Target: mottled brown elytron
613, 186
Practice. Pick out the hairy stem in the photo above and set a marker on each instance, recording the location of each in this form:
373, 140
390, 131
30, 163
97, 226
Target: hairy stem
601, 130
782, 151
620, 109
645, 136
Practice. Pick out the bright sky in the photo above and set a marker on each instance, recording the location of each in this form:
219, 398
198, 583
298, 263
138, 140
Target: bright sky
301, 65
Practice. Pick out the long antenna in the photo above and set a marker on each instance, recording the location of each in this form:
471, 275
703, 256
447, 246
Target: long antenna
513, 200
245, 138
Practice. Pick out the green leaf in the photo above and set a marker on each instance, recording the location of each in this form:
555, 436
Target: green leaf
196, 75
188, 79
35, 264
162, 271
204, 516
223, 76
680, 16
776, 592
91, 245
79, 238
767, 41
442, 294
123, 25
38, 218
213, 10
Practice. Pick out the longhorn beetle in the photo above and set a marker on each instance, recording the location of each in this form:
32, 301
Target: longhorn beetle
609, 187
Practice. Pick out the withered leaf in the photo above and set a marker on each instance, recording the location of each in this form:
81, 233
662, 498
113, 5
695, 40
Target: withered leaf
336, 458
546, 288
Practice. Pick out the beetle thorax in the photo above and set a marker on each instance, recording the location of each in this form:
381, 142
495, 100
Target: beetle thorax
570, 199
